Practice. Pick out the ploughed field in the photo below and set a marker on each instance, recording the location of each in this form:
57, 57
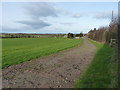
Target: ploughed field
18, 50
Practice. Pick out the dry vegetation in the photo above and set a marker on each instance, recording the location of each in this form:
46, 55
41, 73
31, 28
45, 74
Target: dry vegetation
104, 34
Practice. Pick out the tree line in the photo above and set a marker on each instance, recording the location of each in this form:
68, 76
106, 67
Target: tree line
21, 35
71, 35
104, 34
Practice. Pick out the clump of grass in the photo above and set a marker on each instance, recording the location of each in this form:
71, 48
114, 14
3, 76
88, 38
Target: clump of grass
114, 70
98, 74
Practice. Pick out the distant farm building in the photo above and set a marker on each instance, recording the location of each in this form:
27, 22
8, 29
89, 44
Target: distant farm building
77, 37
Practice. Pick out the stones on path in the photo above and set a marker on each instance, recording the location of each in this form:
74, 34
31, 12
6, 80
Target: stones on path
76, 66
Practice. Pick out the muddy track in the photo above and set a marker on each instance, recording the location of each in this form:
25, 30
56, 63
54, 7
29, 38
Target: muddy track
60, 70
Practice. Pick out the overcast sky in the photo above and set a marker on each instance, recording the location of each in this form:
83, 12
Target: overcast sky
39, 17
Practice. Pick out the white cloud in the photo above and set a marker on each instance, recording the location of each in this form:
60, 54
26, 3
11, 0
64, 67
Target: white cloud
67, 23
77, 15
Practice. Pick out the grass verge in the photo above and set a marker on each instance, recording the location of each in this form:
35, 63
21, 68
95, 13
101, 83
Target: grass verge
102, 71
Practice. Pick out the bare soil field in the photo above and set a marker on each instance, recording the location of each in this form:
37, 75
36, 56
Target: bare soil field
60, 70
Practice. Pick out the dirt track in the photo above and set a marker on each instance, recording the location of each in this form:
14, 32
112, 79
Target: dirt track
60, 70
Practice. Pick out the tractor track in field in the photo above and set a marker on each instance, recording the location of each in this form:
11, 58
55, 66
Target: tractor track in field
60, 70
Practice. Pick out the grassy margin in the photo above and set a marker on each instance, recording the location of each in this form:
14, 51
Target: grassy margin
102, 71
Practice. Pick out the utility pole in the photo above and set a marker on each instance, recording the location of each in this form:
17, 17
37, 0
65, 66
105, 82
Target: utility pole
119, 27
118, 44
110, 29
112, 16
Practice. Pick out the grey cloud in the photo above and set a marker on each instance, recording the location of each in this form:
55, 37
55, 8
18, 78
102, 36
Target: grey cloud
41, 9
105, 15
37, 12
10, 29
34, 24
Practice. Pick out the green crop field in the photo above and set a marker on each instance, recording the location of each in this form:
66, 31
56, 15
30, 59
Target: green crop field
18, 50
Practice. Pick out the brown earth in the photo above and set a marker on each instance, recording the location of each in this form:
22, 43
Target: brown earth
60, 70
